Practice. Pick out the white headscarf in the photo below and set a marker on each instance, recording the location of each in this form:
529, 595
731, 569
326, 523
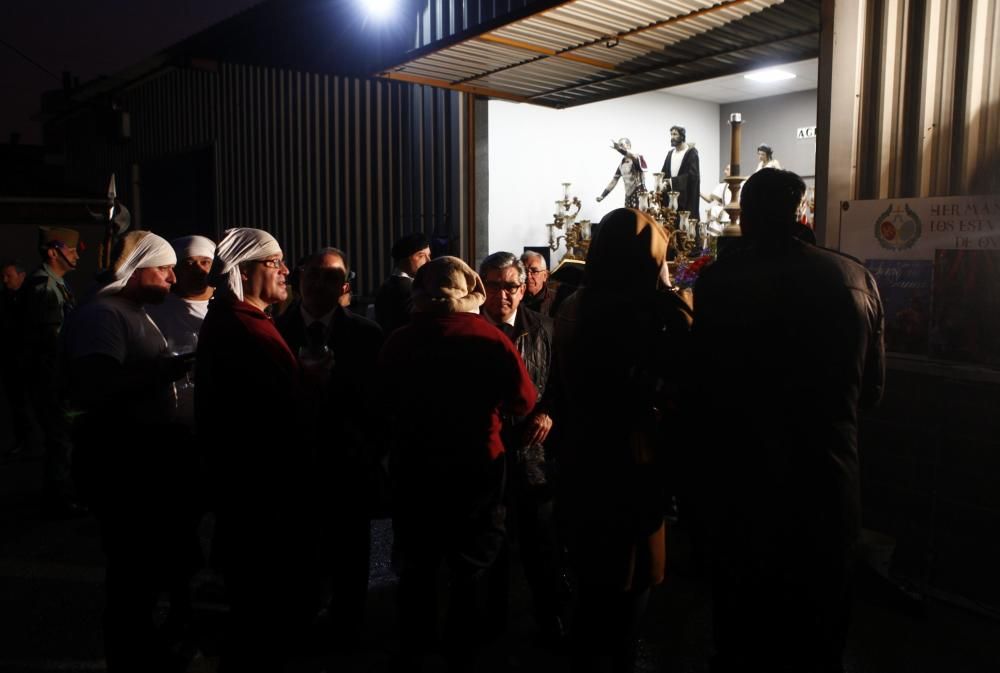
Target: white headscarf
139, 250
238, 246
193, 246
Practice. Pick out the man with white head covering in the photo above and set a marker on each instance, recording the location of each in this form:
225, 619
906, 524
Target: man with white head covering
180, 316
128, 464
247, 409
448, 464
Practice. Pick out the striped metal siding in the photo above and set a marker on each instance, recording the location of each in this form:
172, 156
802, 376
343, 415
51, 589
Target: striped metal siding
930, 109
316, 160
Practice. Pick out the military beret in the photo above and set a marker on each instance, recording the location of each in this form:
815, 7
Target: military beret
57, 237
409, 244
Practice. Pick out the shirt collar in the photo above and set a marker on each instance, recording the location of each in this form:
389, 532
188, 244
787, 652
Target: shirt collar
48, 272
510, 321
308, 319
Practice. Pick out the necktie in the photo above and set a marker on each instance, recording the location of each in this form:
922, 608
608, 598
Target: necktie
316, 334
508, 330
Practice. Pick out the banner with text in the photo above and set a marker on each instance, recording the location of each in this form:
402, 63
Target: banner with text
937, 263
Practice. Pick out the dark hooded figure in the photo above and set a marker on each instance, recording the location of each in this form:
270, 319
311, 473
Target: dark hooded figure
612, 385
790, 334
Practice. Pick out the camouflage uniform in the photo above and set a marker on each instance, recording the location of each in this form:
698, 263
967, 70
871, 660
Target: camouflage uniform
47, 301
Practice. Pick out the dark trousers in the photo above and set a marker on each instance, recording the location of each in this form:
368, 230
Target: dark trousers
608, 617
786, 610
531, 521
17, 401
447, 522
345, 553
50, 411
142, 484
270, 605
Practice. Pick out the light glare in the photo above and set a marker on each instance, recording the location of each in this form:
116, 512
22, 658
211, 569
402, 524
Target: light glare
769, 75
379, 9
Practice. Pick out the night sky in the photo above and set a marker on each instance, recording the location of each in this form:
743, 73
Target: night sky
89, 39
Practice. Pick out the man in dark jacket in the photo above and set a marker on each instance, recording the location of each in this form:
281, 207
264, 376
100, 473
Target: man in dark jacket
529, 491
392, 303
338, 350
790, 334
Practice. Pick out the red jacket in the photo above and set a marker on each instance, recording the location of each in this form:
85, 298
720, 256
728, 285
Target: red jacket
446, 380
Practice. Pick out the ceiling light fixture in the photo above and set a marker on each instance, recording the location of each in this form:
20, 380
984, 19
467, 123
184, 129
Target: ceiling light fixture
769, 75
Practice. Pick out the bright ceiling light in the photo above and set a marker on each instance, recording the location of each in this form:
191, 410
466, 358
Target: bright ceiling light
379, 9
769, 75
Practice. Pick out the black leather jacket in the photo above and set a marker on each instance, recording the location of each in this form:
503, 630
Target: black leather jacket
533, 339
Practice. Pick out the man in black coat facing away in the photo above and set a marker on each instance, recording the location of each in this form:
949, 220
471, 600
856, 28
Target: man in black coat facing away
337, 350
393, 303
791, 335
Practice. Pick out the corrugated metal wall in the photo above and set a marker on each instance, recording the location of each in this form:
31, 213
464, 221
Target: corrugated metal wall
930, 102
315, 159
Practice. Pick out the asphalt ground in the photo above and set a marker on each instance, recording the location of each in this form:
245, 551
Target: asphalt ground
51, 600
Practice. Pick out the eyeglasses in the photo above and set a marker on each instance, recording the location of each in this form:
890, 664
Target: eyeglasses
496, 285
272, 263
534, 271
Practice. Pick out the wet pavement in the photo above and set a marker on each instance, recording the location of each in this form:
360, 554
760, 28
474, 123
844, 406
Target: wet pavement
51, 575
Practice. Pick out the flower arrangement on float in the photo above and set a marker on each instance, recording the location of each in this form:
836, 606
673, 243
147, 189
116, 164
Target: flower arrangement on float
687, 272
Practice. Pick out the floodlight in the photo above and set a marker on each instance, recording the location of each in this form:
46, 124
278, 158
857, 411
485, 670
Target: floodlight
769, 75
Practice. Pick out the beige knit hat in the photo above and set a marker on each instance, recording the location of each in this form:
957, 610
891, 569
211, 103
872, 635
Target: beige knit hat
447, 285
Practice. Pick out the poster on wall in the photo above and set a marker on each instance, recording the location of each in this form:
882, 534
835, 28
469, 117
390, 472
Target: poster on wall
937, 264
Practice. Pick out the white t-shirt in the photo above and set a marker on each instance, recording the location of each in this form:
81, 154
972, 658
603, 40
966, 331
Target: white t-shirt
179, 320
118, 328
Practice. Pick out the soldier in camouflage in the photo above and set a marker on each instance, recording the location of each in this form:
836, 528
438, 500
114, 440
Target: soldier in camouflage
47, 302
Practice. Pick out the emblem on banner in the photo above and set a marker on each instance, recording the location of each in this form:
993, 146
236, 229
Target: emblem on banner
897, 228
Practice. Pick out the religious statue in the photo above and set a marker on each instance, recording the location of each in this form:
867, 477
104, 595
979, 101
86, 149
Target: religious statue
630, 171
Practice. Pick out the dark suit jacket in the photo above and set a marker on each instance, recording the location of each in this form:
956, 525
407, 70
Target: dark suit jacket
393, 303
687, 181
345, 410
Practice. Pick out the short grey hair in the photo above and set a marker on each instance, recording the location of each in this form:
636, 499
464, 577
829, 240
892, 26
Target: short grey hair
530, 255
500, 261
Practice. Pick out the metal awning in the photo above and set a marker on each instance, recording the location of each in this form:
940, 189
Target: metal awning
583, 51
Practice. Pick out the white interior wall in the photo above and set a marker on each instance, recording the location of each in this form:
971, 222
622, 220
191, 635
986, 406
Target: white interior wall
533, 150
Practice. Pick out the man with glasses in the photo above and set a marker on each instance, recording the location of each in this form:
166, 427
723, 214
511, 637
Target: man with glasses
248, 408
529, 491
537, 296
337, 351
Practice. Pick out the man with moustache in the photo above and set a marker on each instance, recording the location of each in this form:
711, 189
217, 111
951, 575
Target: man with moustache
46, 303
338, 350
129, 464
681, 172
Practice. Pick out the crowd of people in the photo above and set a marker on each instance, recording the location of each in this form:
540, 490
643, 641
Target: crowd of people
498, 429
